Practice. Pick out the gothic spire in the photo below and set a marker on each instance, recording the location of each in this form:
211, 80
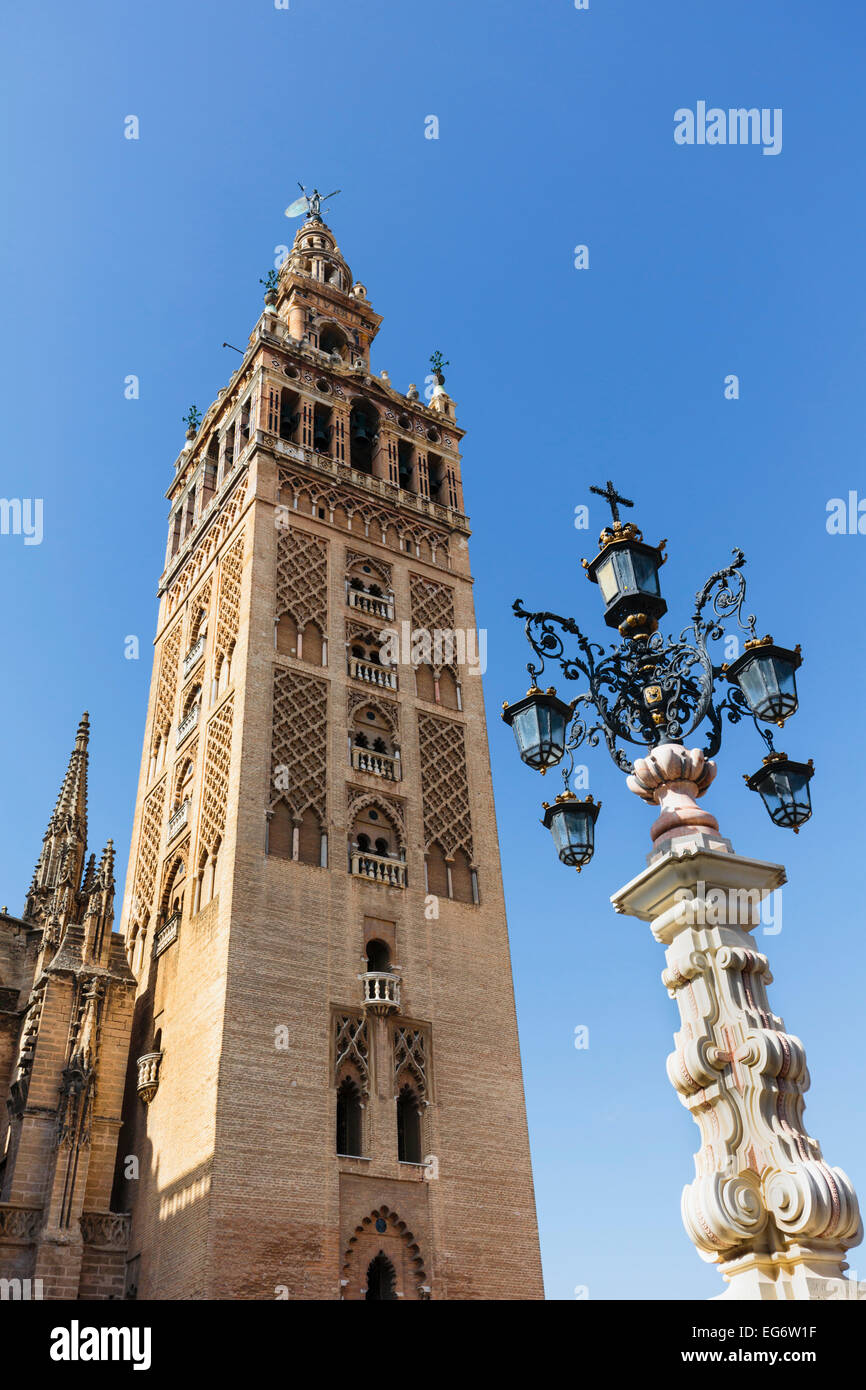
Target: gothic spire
64, 843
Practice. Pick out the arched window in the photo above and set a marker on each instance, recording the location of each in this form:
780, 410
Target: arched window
437, 871
381, 1277
363, 436
408, 1126
289, 414
312, 645
286, 635
310, 838
183, 789
280, 830
199, 623
333, 339
448, 689
461, 878
378, 956
322, 428
405, 465
425, 687
349, 1119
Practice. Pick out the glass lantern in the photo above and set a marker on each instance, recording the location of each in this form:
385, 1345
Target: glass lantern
572, 825
540, 725
766, 676
626, 571
784, 789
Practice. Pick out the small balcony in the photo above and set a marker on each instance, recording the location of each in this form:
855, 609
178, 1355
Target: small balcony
187, 724
372, 605
179, 820
148, 1075
372, 674
378, 867
193, 656
166, 934
381, 991
378, 764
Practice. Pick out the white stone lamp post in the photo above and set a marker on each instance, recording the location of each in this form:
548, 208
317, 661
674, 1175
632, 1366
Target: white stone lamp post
764, 1205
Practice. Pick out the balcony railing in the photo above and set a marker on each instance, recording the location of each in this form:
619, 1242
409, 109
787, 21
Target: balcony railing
381, 991
379, 764
166, 934
371, 673
187, 724
179, 820
369, 603
193, 656
106, 1230
378, 867
148, 1066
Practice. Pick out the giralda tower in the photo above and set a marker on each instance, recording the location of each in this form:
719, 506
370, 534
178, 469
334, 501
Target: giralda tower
324, 1097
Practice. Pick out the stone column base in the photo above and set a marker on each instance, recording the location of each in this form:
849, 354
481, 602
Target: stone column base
789, 1276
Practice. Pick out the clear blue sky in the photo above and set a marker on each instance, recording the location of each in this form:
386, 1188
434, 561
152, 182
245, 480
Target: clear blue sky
556, 128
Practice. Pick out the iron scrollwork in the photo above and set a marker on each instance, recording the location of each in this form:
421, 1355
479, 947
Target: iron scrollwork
648, 689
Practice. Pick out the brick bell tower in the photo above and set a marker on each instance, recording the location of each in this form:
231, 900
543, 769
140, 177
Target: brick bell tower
325, 1097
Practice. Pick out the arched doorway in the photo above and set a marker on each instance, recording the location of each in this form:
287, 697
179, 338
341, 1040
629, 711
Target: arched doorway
381, 1277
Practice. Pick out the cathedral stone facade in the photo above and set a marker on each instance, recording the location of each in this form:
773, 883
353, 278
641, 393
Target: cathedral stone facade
66, 1004
324, 1096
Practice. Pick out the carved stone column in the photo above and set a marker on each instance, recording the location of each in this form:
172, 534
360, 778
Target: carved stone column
764, 1205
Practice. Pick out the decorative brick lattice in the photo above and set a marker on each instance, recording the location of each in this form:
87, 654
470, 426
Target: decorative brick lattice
148, 852
299, 748
444, 785
375, 520
432, 604
351, 1046
410, 1054
218, 749
228, 611
198, 603
206, 548
167, 687
302, 579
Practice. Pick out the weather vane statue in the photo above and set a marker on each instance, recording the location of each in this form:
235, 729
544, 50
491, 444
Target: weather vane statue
309, 204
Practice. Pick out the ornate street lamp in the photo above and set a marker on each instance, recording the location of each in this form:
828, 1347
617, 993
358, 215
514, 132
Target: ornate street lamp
764, 1205
766, 677
650, 690
539, 723
784, 789
572, 824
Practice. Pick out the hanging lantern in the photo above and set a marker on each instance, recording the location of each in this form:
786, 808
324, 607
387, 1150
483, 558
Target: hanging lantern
572, 825
626, 571
766, 676
540, 723
784, 789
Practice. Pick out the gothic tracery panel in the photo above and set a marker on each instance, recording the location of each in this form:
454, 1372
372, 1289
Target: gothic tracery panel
444, 785
299, 747
410, 1054
351, 1047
